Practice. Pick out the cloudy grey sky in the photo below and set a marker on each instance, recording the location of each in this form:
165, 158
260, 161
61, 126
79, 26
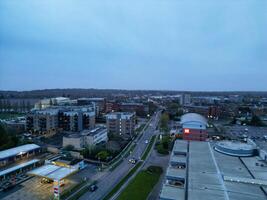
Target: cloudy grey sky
133, 44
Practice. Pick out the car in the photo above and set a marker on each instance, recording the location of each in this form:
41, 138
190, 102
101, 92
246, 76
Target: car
93, 188
45, 180
132, 160
146, 141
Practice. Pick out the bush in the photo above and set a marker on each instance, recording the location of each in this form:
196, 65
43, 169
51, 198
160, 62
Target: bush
163, 146
155, 169
162, 150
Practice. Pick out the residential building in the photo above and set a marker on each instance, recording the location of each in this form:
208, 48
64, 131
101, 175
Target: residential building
139, 108
42, 121
121, 123
112, 106
60, 118
185, 99
46, 103
100, 103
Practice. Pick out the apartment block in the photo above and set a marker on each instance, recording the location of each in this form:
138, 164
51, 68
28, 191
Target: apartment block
121, 123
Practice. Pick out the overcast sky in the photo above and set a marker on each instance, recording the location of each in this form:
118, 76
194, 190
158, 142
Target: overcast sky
138, 44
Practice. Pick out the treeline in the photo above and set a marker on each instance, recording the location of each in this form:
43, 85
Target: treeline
76, 93
7, 140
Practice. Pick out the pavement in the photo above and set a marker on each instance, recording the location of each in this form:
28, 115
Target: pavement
109, 179
162, 161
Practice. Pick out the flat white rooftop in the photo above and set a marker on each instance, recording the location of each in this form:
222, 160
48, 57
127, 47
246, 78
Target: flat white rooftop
17, 150
20, 166
52, 172
172, 193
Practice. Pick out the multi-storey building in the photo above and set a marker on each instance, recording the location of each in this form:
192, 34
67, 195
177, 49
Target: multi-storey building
100, 103
43, 121
185, 99
86, 138
120, 123
72, 121
65, 118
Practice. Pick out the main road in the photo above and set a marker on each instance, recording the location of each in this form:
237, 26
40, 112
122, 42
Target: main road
110, 179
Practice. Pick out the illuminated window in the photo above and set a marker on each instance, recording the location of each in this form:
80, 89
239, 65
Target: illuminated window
186, 130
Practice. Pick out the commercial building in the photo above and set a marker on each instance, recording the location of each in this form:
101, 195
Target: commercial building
18, 153
121, 123
194, 127
57, 171
23, 167
86, 138
203, 173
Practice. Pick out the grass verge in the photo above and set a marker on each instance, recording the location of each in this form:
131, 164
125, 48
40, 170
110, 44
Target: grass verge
120, 184
137, 189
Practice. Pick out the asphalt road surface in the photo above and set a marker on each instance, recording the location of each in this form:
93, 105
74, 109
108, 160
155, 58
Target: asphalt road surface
110, 179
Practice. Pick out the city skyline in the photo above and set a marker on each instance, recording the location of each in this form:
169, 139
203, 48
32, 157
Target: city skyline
151, 45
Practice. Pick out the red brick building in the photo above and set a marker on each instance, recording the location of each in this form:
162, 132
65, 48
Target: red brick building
194, 127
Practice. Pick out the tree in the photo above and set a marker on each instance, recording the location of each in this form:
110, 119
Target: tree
69, 147
102, 155
256, 121
1, 105
7, 140
164, 120
28, 105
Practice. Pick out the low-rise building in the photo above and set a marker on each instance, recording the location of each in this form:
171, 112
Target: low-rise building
139, 108
86, 138
197, 171
18, 153
194, 127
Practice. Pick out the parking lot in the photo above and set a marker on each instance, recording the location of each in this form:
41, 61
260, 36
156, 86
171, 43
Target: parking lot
252, 132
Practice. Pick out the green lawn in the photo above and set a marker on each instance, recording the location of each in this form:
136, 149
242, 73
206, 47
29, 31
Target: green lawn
141, 185
118, 186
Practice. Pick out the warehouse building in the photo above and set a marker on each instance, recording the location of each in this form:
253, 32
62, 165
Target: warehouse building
208, 174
